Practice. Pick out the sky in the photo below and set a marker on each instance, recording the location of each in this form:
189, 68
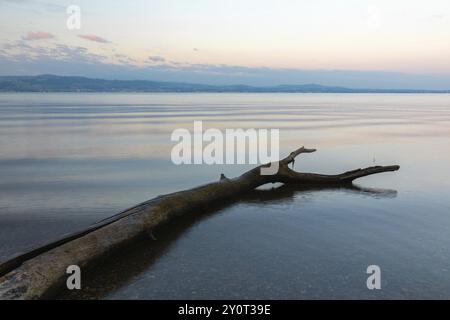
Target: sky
353, 43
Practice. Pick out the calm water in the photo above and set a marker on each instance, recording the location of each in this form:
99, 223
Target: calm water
68, 160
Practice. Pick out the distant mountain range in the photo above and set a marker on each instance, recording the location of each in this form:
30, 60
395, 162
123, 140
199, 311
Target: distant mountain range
53, 83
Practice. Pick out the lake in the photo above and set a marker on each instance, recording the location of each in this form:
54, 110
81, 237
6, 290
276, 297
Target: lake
70, 159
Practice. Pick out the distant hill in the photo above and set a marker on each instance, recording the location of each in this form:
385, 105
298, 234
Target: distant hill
53, 83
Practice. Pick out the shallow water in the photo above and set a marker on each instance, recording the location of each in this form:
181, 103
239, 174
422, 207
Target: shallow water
67, 160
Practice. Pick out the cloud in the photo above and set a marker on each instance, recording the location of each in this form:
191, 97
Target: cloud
156, 59
21, 50
37, 4
124, 59
94, 38
28, 58
39, 35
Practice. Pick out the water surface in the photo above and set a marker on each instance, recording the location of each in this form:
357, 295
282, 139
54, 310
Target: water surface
68, 160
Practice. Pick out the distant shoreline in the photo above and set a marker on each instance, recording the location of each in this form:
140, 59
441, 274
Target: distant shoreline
215, 92
72, 84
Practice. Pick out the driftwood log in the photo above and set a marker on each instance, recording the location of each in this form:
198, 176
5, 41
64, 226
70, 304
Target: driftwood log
35, 274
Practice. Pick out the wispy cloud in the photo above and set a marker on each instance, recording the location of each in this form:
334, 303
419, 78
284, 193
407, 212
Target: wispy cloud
26, 58
21, 50
124, 59
46, 5
39, 35
157, 59
94, 38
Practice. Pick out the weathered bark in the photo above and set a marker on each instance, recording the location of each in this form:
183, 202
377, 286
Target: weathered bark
34, 274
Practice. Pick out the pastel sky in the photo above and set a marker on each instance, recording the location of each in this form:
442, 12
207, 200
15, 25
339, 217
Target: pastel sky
357, 43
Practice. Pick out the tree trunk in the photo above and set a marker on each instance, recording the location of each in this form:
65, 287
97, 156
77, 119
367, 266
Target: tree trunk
36, 273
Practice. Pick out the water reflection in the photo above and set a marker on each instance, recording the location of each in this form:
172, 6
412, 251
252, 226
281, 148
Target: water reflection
122, 267
287, 192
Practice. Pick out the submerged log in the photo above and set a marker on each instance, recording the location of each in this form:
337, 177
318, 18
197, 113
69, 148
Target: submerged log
37, 273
